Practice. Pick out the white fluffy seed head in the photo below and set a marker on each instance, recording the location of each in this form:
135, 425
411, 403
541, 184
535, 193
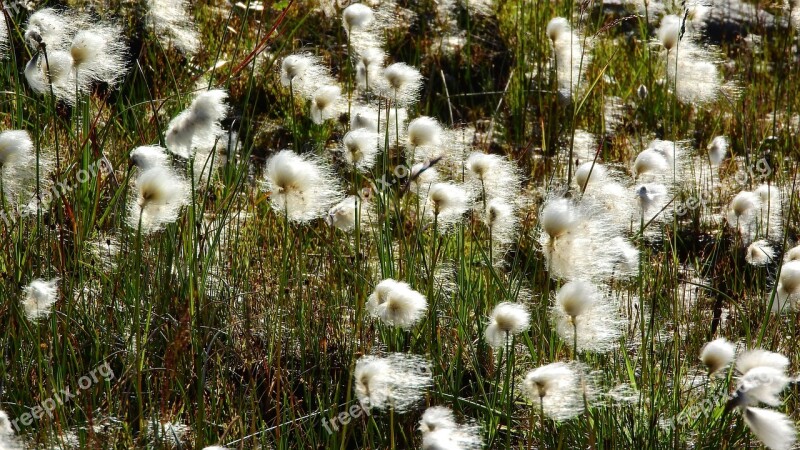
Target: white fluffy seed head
98, 54
559, 217
575, 297
198, 126
86, 47
397, 380
325, 103
460, 438
403, 83
493, 176
441, 432
717, 354
343, 214
15, 146
39, 298
557, 28
159, 195
55, 71
6, 428
790, 277
507, 319
302, 188
304, 73
369, 66
171, 20
396, 304
589, 171
437, 418
761, 385
774, 429
498, 216
447, 203
759, 253
717, 150
650, 161
51, 27
669, 31
424, 131
294, 66
760, 358
357, 16
558, 388
360, 148
546, 380
743, 203
147, 156
597, 325
481, 165
792, 255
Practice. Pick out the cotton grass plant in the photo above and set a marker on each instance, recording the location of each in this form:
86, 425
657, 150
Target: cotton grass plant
412, 219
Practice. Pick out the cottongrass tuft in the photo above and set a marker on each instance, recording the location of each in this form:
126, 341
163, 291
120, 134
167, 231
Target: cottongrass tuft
55, 71
669, 32
424, 131
7, 439
558, 389
761, 384
757, 213
788, 289
440, 431
357, 16
402, 83
760, 358
3, 38
696, 79
717, 150
559, 217
774, 429
397, 381
18, 170
446, 204
360, 148
436, 418
171, 21
793, 254
396, 303
198, 127
303, 188
366, 117
157, 199
717, 354
575, 241
507, 320
148, 156
98, 54
39, 298
304, 73
343, 214
571, 57
369, 66
494, 176
759, 253
51, 27
585, 318
326, 103
500, 218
